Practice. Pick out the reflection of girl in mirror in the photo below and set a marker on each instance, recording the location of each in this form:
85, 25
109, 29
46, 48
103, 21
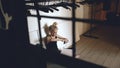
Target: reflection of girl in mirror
52, 38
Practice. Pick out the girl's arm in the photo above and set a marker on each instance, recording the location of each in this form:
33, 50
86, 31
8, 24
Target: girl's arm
65, 40
49, 39
60, 37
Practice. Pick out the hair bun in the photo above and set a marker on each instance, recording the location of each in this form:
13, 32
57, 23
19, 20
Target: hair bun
46, 29
55, 24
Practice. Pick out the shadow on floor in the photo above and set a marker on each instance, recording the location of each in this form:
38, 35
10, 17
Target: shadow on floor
63, 61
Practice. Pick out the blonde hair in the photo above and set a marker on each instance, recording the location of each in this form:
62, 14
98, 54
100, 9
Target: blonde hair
46, 29
53, 26
50, 28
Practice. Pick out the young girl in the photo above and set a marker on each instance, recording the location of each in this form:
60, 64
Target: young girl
51, 40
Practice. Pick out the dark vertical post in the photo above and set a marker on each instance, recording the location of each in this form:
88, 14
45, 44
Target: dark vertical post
92, 18
39, 25
73, 28
39, 56
117, 5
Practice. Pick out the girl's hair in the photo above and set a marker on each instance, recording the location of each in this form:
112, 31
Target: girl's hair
46, 29
53, 26
50, 28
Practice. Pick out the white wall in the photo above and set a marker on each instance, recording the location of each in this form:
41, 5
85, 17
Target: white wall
33, 30
81, 27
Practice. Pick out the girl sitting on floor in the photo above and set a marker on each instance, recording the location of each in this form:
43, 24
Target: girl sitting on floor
52, 38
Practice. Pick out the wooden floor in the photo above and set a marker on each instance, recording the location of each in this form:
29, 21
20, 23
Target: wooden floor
105, 50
